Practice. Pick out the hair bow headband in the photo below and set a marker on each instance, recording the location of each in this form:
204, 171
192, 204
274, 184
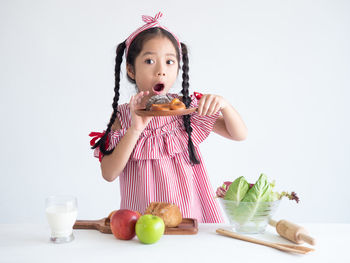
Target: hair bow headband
150, 23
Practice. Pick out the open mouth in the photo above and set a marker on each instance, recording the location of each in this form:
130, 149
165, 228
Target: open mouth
158, 87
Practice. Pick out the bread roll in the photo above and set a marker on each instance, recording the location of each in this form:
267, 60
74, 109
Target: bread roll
170, 213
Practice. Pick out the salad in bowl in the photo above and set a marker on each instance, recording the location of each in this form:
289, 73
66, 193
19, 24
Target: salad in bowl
249, 207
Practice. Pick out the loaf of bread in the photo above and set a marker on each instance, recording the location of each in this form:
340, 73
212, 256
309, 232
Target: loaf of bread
170, 213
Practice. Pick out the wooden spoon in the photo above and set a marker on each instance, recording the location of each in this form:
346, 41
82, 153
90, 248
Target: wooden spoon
283, 247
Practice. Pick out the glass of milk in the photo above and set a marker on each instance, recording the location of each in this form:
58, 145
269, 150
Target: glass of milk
61, 213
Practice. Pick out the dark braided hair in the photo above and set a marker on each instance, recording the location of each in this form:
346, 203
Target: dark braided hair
118, 62
134, 50
187, 101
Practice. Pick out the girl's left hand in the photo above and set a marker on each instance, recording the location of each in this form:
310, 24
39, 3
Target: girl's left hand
210, 104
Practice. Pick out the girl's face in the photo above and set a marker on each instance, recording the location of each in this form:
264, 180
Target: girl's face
156, 66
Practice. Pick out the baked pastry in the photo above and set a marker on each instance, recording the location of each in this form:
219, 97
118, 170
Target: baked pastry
177, 104
160, 107
164, 103
170, 213
158, 99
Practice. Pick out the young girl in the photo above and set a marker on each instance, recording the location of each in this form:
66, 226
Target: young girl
157, 158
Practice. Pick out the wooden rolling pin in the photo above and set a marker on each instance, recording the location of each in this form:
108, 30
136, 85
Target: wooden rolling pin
292, 232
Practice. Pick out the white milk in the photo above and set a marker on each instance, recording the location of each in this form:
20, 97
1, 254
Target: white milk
61, 219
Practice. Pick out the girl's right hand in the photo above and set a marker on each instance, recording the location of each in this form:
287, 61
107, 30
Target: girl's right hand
138, 123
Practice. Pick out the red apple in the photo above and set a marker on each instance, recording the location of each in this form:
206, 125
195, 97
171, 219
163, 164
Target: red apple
123, 223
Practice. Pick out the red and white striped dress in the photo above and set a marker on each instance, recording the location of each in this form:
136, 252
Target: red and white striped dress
159, 169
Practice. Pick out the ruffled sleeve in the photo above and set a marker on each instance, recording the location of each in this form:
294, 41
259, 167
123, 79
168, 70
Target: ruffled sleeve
112, 140
201, 125
115, 136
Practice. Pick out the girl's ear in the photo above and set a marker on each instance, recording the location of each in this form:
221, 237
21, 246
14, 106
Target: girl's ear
130, 71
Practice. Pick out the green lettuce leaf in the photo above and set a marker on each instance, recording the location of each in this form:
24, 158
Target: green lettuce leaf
260, 192
254, 200
237, 190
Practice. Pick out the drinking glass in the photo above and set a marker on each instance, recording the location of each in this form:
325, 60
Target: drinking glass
61, 213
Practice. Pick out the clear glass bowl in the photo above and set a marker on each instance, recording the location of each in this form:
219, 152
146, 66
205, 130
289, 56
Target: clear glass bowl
249, 217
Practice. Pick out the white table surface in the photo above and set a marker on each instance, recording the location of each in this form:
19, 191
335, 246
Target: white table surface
30, 243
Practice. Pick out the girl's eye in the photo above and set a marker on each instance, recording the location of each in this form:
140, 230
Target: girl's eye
170, 62
149, 61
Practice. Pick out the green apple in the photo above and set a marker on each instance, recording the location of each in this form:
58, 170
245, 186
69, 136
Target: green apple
149, 229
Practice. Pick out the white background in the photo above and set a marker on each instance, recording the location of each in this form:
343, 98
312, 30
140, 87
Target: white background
284, 65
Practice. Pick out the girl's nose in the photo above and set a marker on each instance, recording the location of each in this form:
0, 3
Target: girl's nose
160, 70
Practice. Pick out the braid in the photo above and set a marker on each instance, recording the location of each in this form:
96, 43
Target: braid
187, 102
118, 62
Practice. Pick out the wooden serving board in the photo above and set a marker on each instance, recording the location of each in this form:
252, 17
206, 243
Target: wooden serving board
188, 226
144, 112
